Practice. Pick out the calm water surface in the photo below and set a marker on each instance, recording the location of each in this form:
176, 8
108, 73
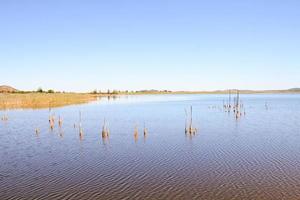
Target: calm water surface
254, 157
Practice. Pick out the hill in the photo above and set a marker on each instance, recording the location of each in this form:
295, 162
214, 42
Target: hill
294, 89
7, 89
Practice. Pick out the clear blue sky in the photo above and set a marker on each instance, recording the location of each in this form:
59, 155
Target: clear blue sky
80, 45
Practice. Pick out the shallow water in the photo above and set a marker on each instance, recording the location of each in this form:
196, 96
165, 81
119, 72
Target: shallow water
254, 157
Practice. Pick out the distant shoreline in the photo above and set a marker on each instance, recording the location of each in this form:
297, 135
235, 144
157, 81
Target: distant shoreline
35, 100
218, 92
8, 89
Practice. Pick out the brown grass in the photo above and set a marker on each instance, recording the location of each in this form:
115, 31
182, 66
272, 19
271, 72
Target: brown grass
43, 100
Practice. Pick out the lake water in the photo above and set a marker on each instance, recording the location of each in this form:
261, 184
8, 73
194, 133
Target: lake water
254, 157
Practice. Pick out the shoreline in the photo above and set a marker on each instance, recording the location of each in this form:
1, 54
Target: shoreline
53, 100
43, 100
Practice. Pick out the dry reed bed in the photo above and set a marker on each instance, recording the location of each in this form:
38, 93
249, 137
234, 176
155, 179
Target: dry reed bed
43, 100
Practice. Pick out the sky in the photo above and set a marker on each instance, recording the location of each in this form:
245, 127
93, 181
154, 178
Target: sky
82, 45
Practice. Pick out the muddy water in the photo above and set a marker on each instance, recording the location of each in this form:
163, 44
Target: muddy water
254, 157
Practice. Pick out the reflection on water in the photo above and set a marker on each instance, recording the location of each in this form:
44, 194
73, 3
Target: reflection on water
105, 141
147, 152
61, 133
136, 134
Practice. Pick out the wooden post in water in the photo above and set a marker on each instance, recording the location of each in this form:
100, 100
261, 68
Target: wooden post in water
189, 126
238, 105
80, 128
186, 122
191, 122
59, 121
105, 130
145, 131
229, 104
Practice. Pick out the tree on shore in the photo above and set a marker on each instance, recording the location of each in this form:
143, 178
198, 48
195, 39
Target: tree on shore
40, 90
